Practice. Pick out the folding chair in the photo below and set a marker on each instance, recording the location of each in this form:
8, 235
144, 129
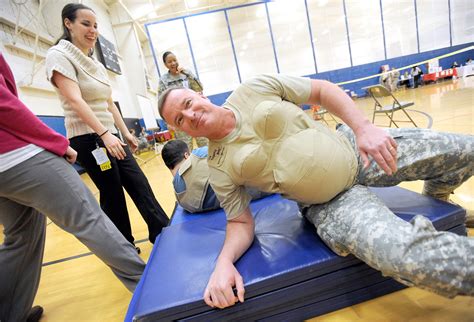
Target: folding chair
378, 93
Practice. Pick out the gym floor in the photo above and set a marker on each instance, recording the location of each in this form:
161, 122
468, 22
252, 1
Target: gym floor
76, 286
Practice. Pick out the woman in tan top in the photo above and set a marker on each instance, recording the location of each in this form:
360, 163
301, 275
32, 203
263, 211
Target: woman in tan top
90, 118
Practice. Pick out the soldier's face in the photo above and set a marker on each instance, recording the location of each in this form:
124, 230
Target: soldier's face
190, 112
171, 63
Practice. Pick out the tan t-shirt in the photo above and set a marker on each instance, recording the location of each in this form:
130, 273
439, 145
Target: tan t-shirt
195, 173
276, 147
91, 77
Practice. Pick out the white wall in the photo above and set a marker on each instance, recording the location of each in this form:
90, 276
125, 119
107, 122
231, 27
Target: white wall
40, 101
39, 95
131, 54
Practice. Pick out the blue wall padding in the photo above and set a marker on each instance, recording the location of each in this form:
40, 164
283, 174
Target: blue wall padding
57, 124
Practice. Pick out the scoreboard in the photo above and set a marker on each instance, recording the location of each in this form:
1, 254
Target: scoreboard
107, 55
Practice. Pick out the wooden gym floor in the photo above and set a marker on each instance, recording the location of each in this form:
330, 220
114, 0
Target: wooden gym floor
82, 288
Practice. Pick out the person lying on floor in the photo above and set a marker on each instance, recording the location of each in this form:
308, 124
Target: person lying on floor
261, 138
191, 177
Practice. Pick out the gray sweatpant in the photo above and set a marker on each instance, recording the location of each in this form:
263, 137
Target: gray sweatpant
47, 185
414, 253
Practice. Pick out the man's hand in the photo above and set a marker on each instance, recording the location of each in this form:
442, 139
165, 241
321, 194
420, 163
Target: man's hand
378, 144
219, 291
239, 236
70, 155
371, 140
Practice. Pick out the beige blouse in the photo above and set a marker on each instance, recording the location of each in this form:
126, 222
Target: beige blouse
90, 75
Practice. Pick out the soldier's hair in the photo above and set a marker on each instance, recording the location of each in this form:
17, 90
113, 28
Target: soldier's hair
164, 96
166, 54
173, 153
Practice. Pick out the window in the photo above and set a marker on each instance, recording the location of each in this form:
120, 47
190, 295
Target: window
400, 27
462, 21
433, 24
365, 31
171, 36
291, 36
252, 40
328, 25
213, 52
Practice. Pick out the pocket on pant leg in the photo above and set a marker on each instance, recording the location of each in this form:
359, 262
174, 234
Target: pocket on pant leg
336, 246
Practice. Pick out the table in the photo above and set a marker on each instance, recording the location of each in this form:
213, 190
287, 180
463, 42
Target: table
465, 71
433, 77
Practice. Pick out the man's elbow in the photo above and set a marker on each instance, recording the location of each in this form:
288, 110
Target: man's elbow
244, 220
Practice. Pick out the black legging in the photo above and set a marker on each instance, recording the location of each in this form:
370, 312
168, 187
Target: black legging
416, 80
124, 173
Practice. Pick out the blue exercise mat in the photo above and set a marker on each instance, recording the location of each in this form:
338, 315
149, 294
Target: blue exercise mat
288, 271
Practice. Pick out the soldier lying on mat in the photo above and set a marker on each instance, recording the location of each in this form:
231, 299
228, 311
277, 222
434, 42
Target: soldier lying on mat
261, 138
191, 177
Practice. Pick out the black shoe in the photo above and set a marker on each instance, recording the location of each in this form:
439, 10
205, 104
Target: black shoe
35, 314
138, 249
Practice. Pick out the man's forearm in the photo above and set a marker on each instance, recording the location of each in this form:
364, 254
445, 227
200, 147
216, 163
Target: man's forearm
239, 237
372, 142
338, 103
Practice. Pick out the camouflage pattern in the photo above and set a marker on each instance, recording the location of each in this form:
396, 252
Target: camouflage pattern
180, 135
394, 78
184, 79
201, 141
413, 253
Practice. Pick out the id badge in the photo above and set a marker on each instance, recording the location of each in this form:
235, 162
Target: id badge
101, 158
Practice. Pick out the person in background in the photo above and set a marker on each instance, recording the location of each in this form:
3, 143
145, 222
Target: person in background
91, 116
180, 77
142, 141
36, 181
143, 132
191, 177
405, 80
394, 78
384, 79
416, 73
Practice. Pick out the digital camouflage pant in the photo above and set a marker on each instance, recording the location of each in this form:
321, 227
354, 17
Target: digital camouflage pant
183, 136
413, 253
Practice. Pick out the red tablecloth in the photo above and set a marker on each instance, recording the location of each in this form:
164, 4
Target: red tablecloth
163, 136
442, 74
